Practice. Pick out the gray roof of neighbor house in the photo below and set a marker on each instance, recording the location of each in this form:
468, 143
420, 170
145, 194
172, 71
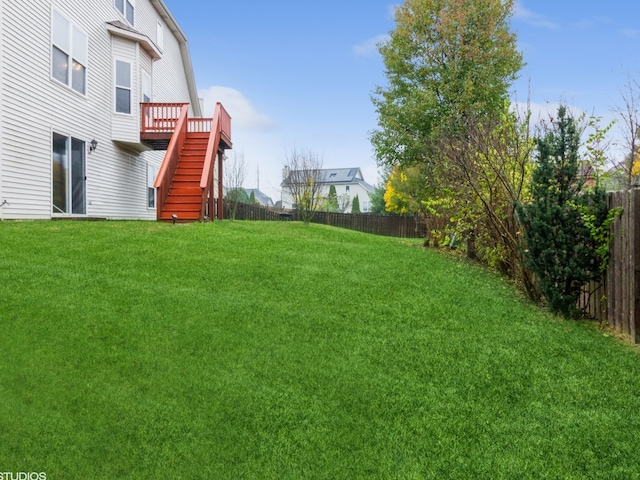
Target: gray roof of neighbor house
339, 176
260, 197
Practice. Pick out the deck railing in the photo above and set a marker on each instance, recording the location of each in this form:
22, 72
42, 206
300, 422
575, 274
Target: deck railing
160, 117
163, 118
220, 124
225, 123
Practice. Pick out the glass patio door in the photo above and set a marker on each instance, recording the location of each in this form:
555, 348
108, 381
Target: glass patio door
69, 175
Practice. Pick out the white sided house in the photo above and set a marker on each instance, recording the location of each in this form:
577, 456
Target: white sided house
348, 183
99, 114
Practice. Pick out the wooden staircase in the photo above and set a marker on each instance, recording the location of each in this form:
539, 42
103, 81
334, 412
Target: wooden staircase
185, 195
186, 182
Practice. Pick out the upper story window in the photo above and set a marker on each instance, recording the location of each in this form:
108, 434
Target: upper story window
146, 87
126, 8
69, 53
152, 171
160, 35
123, 87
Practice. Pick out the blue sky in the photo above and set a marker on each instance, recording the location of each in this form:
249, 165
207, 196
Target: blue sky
300, 74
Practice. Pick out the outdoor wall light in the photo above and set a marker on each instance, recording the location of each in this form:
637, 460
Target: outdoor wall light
93, 145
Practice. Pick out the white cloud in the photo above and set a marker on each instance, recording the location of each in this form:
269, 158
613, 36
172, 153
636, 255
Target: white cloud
243, 113
532, 18
630, 33
369, 48
583, 24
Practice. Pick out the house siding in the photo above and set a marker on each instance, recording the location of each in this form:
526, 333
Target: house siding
33, 106
169, 78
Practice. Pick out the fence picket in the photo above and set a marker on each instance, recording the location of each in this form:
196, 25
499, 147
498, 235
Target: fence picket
621, 282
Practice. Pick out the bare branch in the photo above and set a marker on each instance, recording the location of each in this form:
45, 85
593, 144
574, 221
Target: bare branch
303, 182
629, 114
235, 174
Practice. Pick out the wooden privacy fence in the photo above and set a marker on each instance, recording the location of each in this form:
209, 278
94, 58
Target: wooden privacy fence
245, 211
404, 226
616, 299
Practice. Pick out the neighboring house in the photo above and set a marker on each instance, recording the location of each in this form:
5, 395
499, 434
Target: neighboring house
348, 183
587, 174
75, 140
260, 197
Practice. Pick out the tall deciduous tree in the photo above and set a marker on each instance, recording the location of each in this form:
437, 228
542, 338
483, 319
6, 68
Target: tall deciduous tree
449, 66
446, 61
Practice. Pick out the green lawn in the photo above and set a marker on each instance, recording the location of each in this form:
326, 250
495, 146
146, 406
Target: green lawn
241, 350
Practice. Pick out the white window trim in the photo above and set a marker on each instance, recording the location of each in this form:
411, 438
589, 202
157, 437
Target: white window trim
115, 86
69, 138
144, 74
123, 14
160, 35
72, 25
153, 170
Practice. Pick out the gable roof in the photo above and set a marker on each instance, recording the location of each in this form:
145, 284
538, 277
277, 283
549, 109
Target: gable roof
123, 30
263, 198
339, 176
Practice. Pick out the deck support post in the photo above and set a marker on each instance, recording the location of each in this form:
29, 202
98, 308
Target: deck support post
220, 188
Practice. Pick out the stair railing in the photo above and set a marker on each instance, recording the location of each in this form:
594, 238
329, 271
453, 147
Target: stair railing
221, 124
171, 158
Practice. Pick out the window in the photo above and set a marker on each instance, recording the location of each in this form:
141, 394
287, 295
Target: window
123, 87
160, 35
146, 87
68, 54
126, 8
152, 171
68, 165
347, 188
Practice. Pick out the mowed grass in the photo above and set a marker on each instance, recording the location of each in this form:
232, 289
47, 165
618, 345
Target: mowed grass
240, 350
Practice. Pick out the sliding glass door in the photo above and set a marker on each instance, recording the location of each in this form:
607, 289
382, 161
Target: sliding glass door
69, 175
